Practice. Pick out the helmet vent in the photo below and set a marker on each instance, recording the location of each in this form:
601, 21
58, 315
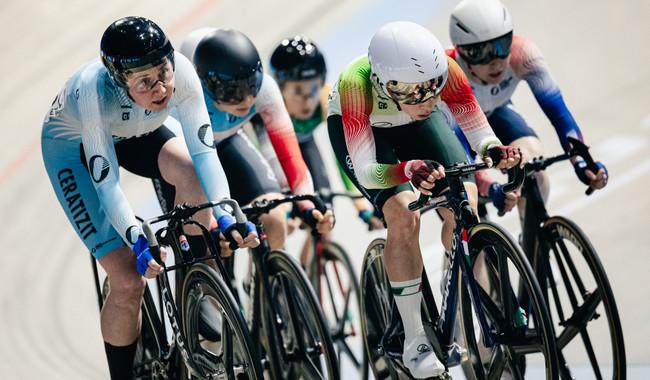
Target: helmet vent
464, 29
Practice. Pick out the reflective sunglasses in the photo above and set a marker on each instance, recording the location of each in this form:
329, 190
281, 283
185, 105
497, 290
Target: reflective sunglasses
485, 52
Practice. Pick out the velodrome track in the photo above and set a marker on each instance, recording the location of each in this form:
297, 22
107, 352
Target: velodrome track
597, 51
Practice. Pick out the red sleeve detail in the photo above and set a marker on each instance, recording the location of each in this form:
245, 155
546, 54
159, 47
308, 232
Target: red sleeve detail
461, 101
284, 141
451, 52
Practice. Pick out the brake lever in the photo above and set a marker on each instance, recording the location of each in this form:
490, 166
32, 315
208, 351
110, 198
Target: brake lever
578, 148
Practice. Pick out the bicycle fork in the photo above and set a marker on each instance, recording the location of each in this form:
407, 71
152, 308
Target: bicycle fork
460, 245
174, 320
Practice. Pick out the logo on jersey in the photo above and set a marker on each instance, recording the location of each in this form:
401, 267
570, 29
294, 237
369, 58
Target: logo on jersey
76, 206
348, 162
99, 168
382, 124
125, 116
382, 105
132, 234
204, 135
503, 85
147, 112
422, 348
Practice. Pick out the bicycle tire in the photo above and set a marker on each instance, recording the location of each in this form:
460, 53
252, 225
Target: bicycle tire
236, 362
300, 319
561, 233
514, 339
343, 327
376, 311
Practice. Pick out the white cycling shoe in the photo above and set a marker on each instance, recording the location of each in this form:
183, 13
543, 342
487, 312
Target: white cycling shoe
420, 359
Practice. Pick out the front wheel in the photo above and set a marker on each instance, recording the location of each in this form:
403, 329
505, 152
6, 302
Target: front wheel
335, 282
302, 337
377, 315
233, 355
519, 330
579, 296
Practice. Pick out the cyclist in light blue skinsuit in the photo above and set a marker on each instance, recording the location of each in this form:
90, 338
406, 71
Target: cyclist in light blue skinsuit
110, 115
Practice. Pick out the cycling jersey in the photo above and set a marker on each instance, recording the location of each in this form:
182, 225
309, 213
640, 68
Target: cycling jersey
270, 106
361, 103
93, 111
527, 63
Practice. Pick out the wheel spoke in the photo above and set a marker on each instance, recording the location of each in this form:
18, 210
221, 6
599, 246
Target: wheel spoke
579, 319
497, 363
590, 352
572, 266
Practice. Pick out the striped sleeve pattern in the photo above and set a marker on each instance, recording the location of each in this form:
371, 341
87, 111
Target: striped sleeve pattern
355, 91
463, 105
528, 63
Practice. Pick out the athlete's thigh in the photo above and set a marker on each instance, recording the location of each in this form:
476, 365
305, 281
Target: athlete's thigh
249, 174
508, 125
140, 155
337, 138
78, 198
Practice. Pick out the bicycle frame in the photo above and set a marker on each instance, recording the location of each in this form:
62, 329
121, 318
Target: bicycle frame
456, 200
178, 218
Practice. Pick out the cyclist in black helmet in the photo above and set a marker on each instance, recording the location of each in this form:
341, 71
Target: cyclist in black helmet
110, 114
298, 65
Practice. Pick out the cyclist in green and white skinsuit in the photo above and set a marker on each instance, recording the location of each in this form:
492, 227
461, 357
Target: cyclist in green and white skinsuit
386, 130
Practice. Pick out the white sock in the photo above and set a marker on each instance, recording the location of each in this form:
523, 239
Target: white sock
408, 297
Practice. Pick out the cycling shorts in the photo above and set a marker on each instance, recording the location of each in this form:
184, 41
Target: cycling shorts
430, 139
67, 169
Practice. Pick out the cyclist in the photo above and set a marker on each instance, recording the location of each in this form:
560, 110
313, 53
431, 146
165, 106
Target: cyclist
495, 61
386, 131
109, 114
235, 89
299, 68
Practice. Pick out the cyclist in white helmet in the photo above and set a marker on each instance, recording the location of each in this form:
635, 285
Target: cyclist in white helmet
387, 130
495, 61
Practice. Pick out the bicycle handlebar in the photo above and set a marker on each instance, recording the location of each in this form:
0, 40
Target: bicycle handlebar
578, 148
516, 173
262, 207
185, 211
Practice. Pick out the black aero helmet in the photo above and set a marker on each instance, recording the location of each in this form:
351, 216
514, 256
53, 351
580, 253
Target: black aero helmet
133, 44
297, 58
229, 65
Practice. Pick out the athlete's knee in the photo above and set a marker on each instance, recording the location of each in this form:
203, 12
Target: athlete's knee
275, 222
401, 222
127, 291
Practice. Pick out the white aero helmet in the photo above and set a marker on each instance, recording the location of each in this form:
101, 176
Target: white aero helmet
188, 46
474, 21
403, 52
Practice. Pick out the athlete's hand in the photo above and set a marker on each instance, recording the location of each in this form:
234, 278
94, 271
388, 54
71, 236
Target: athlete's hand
146, 265
423, 174
504, 202
324, 222
595, 180
229, 234
505, 156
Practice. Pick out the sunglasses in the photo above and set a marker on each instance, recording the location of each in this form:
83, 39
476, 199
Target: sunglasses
485, 52
416, 93
233, 90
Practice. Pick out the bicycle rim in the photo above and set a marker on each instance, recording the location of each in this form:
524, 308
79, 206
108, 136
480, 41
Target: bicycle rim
376, 309
581, 302
233, 356
512, 302
303, 341
339, 300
